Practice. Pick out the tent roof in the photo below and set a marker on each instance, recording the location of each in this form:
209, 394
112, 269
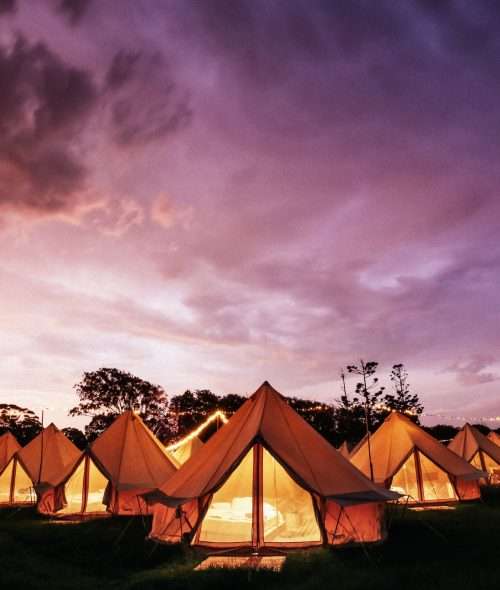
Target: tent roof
266, 418
187, 450
494, 437
394, 441
469, 441
52, 451
345, 449
8, 446
131, 456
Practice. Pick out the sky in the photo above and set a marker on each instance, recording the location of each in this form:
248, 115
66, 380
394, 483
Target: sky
212, 193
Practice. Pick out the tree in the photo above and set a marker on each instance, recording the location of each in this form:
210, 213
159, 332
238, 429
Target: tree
24, 424
76, 436
349, 416
231, 402
106, 393
191, 409
370, 394
319, 415
444, 433
403, 400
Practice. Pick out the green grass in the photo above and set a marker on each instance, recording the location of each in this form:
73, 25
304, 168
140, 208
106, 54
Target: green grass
436, 550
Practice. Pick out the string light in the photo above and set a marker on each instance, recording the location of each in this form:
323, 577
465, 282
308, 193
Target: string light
199, 430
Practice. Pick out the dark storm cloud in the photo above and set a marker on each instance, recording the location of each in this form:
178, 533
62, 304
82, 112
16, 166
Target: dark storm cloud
46, 106
74, 10
7, 6
43, 105
122, 69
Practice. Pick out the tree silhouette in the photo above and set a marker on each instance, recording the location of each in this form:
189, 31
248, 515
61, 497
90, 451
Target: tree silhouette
76, 436
370, 392
403, 400
24, 424
106, 393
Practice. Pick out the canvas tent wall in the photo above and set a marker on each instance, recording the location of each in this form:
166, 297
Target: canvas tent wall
410, 461
8, 448
187, 450
126, 461
267, 479
40, 462
478, 450
494, 437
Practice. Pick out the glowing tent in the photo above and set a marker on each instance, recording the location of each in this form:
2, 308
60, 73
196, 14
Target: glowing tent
38, 463
8, 447
108, 477
267, 479
187, 450
494, 437
410, 461
345, 449
478, 450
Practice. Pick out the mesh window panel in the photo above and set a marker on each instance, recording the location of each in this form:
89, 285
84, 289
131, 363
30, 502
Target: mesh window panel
96, 487
5, 481
73, 490
287, 509
493, 468
23, 491
435, 482
405, 480
229, 516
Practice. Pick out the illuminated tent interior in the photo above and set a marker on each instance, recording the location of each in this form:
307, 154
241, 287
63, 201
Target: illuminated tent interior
8, 447
108, 477
187, 450
494, 437
38, 463
345, 449
478, 450
267, 479
410, 461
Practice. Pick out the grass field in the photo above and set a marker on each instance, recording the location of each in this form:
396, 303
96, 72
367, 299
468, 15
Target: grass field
433, 549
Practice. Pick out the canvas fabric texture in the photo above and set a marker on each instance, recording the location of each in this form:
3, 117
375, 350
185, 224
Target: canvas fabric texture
8, 447
187, 450
494, 437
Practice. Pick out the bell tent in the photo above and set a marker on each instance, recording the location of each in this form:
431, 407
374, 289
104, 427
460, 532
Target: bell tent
40, 462
345, 449
187, 450
8, 447
108, 477
494, 437
478, 450
267, 479
410, 461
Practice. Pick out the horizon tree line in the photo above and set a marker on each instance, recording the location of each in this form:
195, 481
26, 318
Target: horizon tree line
106, 393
